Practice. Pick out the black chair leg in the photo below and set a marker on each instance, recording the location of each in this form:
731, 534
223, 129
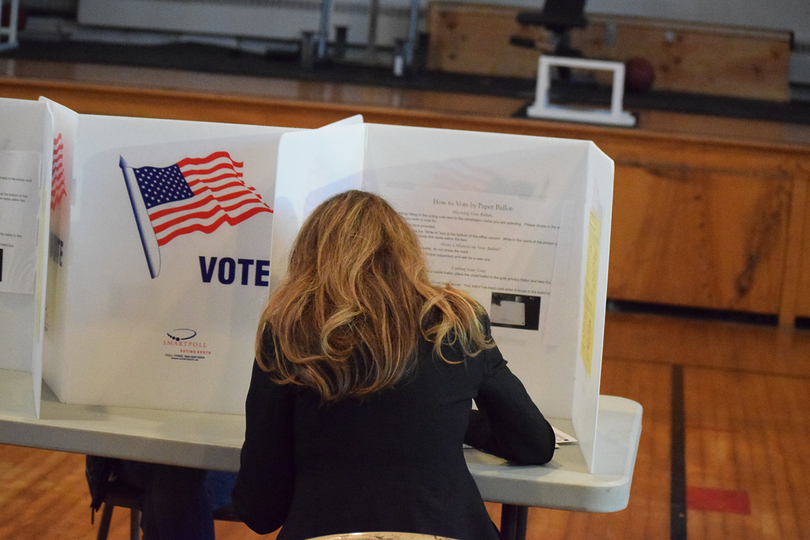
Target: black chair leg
514, 521
134, 524
106, 519
104, 522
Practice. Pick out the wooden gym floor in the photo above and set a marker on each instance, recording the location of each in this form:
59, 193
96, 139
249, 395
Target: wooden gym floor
725, 445
724, 451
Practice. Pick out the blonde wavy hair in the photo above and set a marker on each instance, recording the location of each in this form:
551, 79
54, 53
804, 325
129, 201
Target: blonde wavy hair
347, 316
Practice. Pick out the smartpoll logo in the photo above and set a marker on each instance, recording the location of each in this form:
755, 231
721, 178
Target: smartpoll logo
184, 344
182, 334
194, 194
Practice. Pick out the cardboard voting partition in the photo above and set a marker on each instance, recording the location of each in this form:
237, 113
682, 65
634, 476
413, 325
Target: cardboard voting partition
26, 146
164, 264
522, 223
153, 238
151, 246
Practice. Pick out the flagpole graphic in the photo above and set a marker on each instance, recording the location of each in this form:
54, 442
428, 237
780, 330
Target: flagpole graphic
195, 194
151, 249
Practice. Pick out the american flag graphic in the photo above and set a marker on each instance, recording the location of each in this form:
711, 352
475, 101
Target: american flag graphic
196, 194
58, 181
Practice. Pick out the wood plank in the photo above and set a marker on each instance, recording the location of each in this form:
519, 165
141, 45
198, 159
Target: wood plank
698, 236
737, 347
474, 38
790, 296
700, 224
754, 64
743, 434
802, 292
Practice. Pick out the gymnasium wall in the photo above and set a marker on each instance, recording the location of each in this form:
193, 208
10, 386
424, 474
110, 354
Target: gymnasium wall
287, 19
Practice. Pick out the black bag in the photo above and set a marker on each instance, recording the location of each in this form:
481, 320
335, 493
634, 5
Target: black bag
99, 472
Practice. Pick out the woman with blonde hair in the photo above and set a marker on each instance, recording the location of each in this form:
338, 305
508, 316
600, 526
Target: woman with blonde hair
360, 399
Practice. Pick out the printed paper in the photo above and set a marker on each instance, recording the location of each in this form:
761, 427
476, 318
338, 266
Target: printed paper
591, 277
19, 210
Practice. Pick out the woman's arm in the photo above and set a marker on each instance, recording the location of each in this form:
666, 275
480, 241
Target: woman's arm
509, 426
264, 486
508, 423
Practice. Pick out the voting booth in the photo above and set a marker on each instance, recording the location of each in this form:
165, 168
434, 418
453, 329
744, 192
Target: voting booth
25, 147
165, 238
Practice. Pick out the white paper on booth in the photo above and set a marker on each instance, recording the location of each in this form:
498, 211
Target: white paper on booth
535, 170
503, 249
19, 215
23, 222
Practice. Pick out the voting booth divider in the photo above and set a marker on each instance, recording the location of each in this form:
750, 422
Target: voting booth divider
146, 248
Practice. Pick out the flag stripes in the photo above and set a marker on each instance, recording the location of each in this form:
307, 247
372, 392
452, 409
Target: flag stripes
197, 194
58, 180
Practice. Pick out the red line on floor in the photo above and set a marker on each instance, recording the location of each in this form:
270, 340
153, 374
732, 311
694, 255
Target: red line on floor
717, 500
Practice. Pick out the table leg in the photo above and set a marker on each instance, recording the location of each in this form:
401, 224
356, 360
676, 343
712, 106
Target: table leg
514, 520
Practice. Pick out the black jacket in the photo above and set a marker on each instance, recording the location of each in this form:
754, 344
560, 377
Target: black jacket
391, 462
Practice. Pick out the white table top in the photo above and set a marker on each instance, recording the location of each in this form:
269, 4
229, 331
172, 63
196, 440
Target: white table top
213, 441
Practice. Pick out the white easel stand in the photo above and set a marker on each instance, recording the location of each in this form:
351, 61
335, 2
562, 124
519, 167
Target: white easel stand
542, 109
11, 29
